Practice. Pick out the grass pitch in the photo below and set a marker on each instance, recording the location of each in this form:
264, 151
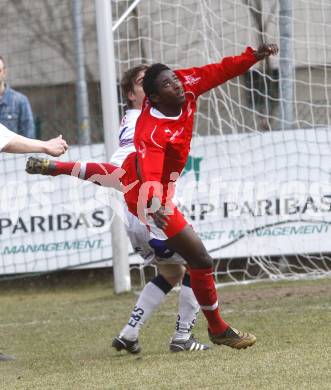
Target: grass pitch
61, 338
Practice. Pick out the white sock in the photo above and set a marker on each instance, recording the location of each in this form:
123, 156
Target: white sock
149, 299
187, 311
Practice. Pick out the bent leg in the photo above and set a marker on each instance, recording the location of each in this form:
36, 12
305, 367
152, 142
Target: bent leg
149, 299
188, 309
188, 244
172, 273
104, 174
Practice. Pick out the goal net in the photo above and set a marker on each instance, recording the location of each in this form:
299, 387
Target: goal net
257, 183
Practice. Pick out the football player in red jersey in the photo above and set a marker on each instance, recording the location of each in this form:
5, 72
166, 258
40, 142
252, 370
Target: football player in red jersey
162, 140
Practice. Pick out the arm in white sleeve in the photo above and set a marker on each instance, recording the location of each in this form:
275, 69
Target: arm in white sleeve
14, 143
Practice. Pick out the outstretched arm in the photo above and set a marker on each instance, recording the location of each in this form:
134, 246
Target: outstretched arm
19, 144
201, 79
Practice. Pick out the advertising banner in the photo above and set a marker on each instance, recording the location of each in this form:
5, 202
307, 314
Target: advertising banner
245, 194
260, 194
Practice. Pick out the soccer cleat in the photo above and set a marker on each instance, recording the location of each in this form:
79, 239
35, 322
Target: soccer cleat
4, 357
41, 166
120, 343
190, 345
233, 338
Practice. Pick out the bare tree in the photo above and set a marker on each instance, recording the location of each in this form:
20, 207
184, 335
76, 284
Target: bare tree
54, 29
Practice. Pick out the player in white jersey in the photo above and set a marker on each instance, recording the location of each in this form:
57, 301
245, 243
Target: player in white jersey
10, 142
170, 265
126, 134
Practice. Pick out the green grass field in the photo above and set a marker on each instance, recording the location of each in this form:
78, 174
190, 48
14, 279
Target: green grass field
61, 338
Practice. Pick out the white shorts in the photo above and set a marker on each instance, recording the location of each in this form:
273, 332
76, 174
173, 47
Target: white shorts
150, 248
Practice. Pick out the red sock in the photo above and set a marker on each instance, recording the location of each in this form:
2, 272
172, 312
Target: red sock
99, 173
66, 168
203, 286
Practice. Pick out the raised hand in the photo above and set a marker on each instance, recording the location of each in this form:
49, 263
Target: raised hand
265, 50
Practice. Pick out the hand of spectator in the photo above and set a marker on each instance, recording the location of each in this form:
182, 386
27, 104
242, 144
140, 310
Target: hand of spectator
265, 50
56, 146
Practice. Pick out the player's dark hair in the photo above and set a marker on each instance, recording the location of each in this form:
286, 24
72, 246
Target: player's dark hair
149, 84
128, 79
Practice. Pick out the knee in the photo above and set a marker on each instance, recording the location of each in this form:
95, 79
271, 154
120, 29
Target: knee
202, 260
172, 273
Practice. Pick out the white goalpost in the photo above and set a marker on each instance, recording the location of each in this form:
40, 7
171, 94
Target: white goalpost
122, 281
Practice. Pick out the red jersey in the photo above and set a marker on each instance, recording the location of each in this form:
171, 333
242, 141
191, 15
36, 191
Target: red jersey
163, 143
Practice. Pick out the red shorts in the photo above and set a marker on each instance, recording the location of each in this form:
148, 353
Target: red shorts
176, 221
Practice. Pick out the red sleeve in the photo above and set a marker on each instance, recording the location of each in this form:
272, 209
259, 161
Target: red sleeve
201, 79
151, 153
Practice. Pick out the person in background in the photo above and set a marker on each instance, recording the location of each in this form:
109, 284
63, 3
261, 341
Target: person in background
15, 108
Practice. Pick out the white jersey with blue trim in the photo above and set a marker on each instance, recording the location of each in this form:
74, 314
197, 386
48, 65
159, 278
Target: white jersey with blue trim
5, 136
126, 135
